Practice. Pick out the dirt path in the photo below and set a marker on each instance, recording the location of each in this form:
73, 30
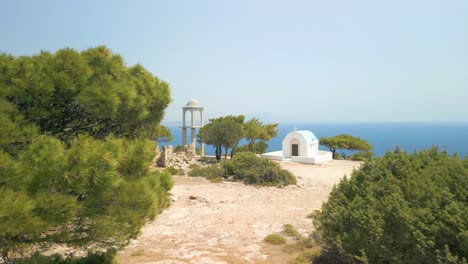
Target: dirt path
226, 222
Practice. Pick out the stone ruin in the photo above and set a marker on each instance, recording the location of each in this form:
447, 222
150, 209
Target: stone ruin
179, 160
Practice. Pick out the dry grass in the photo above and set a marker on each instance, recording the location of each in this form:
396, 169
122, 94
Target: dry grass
275, 239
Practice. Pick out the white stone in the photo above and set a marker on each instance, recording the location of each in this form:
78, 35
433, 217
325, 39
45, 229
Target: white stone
300, 146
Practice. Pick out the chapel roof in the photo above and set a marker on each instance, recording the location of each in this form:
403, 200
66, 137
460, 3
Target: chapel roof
306, 134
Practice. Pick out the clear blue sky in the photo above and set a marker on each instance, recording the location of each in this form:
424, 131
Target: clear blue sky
281, 60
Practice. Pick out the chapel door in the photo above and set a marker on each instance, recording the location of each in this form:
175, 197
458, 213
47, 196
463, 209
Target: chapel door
295, 150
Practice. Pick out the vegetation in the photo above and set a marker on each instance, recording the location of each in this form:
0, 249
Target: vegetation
349, 143
172, 170
401, 208
78, 132
257, 148
303, 249
248, 168
211, 172
255, 130
108, 257
69, 93
274, 239
226, 132
289, 230
222, 132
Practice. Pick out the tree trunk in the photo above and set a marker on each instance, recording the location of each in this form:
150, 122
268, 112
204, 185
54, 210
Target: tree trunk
251, 143
218, 152
333, 150
232, 151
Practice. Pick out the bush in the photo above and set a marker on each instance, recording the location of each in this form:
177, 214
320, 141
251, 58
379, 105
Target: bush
362, 156
108, 257
308, 256
274, 239
289, 230
211, 172
250, 169
171, 170
258, 148
400, 208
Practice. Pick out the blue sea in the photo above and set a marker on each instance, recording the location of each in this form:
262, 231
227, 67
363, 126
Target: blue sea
450, 137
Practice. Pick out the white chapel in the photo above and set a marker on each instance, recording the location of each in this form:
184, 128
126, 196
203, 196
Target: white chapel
300, 146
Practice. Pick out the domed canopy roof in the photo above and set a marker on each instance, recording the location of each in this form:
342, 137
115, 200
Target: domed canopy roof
193, 103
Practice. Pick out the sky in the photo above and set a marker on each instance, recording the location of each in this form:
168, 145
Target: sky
282, 61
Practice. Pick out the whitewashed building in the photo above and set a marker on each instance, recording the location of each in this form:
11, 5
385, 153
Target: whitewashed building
300, 146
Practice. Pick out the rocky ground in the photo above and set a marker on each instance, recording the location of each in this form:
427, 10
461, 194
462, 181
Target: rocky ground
226, 222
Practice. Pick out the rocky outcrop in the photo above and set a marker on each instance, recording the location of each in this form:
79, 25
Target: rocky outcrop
178, 160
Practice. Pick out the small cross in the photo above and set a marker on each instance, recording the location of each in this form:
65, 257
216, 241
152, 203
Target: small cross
295, 128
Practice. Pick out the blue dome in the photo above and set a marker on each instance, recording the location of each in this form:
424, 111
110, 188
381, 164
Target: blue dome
307, 135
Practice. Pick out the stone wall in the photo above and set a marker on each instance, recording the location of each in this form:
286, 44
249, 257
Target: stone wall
182, 160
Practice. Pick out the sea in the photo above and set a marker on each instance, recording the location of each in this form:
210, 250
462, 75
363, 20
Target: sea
383, 137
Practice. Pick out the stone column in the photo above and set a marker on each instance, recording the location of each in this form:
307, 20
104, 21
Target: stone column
194, 139
193, 120
184, 129
202, 145
184, 136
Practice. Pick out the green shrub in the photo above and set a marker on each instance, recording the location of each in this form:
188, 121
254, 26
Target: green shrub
180, 172
306, 242
289, 248
308, 256
400, 208
289, 230
229, 168
98, 258
40, 259
172, 170
362, 156
258, 148
108, 257
251, 169
248, 168
274, 239
209, 172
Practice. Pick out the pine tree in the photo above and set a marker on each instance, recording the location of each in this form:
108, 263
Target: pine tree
77, 134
